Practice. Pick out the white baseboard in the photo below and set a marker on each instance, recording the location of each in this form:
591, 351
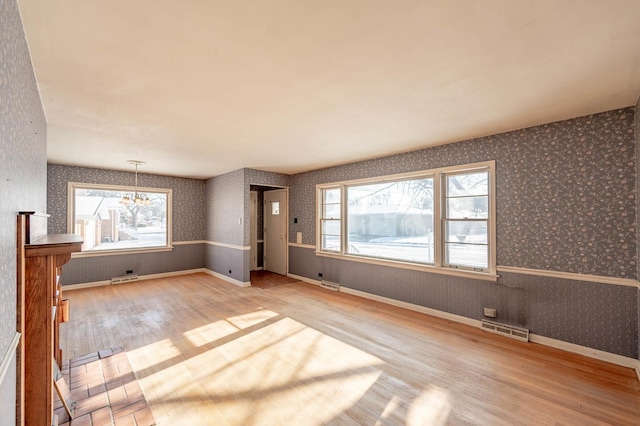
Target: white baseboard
228, 279
422, 309
305, 279
583, 350
160, 275
140, 278
9, 356
85, 285
534, 338
171, 274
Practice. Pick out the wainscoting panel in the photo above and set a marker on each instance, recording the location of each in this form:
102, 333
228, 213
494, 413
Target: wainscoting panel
595, 315
228, 261
91, 269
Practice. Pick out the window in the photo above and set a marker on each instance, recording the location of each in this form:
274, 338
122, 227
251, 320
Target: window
97, 214
436, 219
330, 220
466, 220
391, 220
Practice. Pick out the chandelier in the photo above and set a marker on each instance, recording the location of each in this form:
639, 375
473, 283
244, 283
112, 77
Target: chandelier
135, 197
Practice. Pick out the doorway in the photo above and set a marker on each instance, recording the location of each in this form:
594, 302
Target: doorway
253, 232
276, 210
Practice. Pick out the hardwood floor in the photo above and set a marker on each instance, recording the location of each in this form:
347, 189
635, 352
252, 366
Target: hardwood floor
210, 353
266, 279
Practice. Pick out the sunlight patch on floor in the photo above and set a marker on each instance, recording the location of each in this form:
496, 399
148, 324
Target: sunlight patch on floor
216, 330
154, 353
286, 365
308, 375
430, 407
252, 318
395, 404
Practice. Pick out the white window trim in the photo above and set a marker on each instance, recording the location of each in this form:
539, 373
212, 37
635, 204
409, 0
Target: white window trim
71, 186
438, 267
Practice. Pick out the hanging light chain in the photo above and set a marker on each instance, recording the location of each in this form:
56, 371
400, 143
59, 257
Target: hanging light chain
138, 199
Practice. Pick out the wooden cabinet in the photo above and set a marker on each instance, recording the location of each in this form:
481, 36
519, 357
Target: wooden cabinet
39, 305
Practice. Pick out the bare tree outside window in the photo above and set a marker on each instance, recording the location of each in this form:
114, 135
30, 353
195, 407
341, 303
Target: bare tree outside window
441, 218
106, 224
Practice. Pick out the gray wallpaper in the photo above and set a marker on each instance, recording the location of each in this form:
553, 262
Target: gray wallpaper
23, 150
637, 131
594, 315
188, 196
261, 178
228, 218
91, 269
225, 208
565, 192
260, 210
260, 222
228, 261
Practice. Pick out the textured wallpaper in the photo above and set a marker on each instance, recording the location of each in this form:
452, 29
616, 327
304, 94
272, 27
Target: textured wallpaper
225, 208
594, 315
228, 202
262, 179
565, 192
23, 150
188, 218
637, 120
260, 210
91, 269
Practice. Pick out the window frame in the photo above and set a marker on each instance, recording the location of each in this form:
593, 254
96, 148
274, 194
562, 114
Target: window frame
439, 215
72, 186
445, 196
321, 209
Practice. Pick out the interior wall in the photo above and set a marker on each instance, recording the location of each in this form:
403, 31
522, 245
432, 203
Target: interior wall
225, 230
188, 224
637, 133
259, 222
260, 180
23, 175
565, 203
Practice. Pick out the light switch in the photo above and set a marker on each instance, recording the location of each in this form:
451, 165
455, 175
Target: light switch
299, 237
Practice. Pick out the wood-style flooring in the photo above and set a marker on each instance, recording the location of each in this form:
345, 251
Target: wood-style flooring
207, 352
266, 279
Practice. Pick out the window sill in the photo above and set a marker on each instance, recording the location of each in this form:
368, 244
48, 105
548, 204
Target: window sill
98, 253
485, 276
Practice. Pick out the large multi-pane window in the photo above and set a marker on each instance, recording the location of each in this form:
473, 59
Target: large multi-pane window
391, 220
441, 218
116, 219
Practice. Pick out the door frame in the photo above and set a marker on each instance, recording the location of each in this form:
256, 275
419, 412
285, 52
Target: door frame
253, 230
286, 228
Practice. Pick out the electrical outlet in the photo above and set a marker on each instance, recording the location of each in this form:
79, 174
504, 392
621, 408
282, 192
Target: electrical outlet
130, 271
229, 270
320, 274
491, 313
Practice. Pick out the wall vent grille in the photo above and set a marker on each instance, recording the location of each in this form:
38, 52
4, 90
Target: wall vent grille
517, 333
125, 279
329, 285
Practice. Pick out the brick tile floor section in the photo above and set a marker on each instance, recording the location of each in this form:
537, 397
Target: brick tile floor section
105, 391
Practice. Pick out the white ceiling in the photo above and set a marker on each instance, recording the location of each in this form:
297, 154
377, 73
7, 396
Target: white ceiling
201, 88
